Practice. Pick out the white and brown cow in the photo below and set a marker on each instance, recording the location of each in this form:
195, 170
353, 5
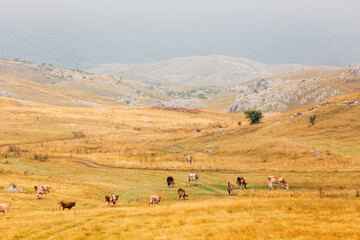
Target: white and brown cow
277, 180
190, 159
111, 199
193, 177
41, 190
4, 207
154, 199
240, 181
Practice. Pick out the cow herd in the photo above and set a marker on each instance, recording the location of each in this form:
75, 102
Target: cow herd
155, 199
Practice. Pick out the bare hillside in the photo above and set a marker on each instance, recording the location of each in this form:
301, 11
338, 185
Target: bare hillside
50, 85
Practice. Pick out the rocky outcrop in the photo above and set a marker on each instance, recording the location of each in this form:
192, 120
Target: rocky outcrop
277, 95
353, 71
13, 188
129, 100
182, 103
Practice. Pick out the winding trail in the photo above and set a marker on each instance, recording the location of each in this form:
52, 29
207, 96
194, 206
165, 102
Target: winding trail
74, 136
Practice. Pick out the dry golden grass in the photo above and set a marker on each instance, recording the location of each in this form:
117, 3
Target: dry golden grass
140, 147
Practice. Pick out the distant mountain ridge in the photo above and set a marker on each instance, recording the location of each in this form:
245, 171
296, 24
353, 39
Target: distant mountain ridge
217, 70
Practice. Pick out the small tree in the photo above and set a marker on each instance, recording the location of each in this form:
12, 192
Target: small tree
312, 119
239, 123
254, 116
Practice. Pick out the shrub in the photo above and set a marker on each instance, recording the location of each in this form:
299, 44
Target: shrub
254, 116
312, 119
14, 149
41, 158
239, 123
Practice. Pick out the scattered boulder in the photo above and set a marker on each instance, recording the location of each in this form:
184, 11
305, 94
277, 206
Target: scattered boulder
14, 188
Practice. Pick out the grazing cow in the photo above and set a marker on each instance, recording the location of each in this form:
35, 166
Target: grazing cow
170, 181
193, 177
154, 199
41, 190
181, 192
189, 159
240, 181
68, 205
230, 188
4, 207
111, 199
277, 180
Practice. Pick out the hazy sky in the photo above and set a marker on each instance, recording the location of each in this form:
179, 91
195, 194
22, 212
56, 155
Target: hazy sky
84, 33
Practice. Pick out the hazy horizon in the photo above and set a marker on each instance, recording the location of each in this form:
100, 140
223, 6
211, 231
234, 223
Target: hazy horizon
86, 34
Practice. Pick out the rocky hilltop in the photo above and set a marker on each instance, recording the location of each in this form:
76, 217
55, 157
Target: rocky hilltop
291, 91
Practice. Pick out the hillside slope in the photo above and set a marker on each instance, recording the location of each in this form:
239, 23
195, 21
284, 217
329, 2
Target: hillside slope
50, 85
148, 138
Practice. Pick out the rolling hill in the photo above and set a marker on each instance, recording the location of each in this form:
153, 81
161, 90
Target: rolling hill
216, 70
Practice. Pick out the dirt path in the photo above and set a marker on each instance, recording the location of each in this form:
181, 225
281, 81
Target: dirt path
89, 164
74, 136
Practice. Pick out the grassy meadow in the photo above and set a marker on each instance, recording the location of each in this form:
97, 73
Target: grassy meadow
86, 153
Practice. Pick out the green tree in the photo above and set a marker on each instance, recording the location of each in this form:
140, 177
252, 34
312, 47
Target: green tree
312, 119
254, 116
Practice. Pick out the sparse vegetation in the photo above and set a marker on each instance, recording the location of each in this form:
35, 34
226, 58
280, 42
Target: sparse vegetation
136, 163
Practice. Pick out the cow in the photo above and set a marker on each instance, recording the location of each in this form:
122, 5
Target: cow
181, 192
193, 177
154, 199
111, 199
68, 205
4, 207
189, 159
170, 181
41, 190
240, 181
277, 180
230, 188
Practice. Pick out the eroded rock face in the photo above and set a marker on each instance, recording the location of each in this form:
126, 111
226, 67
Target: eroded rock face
278, 95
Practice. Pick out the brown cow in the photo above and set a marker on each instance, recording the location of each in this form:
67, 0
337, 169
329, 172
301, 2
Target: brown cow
181, 192
170, 181
111, 199
68, 205
230, 188
240, 181
4, 207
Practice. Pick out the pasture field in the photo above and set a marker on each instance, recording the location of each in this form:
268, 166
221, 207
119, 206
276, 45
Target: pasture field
209, 212
86, 153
